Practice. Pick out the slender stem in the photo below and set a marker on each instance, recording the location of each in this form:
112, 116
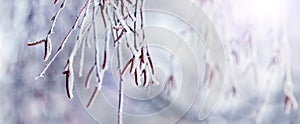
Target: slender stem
63, 42
120, 102
135, 33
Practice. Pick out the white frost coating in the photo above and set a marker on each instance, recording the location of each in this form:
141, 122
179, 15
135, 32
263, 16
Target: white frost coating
155, 81
62, 45
131, 47
84, 27
123, 23
96, 2
71, 70
136, 62
99, 87
81, 60
119, 16
130, 14
147, 80
49, 43
288, 91
288, 86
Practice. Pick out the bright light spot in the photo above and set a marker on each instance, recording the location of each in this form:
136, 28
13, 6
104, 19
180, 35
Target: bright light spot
267, 9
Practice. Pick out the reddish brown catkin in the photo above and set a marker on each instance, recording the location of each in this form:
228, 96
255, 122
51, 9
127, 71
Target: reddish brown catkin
87, 80
145, 77
104, 60
66, 72
65, 38
132, 64
102, 13
126, 66
55, 1
136, 77
92, 97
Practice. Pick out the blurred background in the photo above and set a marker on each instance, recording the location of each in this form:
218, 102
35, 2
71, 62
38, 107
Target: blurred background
268, 24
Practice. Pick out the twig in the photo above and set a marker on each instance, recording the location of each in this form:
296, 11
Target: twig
64, 40
120, 101
135, 33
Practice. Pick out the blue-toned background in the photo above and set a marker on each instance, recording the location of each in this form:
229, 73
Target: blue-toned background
25, 100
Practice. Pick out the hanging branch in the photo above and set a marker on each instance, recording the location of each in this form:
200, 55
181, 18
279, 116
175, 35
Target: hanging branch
65, 38
99, 71
68, 70
122, 23
47, 41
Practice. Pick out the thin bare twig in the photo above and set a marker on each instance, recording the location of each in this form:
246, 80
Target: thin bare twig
65, 38
36, 43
